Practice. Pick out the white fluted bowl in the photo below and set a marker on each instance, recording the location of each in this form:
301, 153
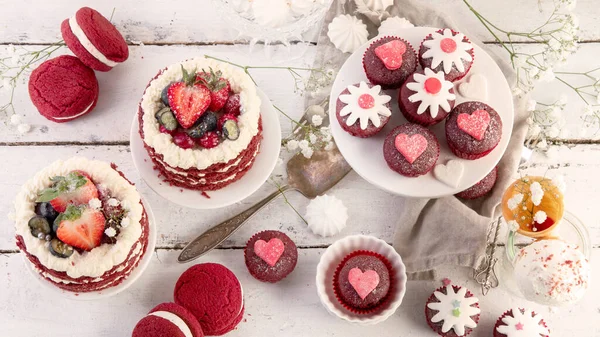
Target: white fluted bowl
332, 258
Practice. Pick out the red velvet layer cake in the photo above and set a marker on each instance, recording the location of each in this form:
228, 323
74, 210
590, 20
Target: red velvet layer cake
81, 224
200, 122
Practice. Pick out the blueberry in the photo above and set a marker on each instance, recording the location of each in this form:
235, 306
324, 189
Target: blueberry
46, 210
60, 249
197, 131
168, 120
161, 111
164, 95
210, 119
231, 130
39, 226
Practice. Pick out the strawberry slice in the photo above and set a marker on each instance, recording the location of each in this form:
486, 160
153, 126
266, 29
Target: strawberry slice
81, 227
218, 86
188, 99
76, 188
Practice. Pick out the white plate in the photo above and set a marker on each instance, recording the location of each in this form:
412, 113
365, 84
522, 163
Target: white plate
366, 155
264, 163
135, 274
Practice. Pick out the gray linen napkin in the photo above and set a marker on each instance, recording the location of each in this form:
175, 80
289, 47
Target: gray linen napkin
435, 232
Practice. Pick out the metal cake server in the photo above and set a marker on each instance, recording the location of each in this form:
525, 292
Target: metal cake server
311, 177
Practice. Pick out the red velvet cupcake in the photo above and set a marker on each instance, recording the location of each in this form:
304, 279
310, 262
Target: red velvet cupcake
363, 110
389, 61
270, 256
411, 150
168, 319
483, 187
473, 130
426, 98
518, 322
452, 311
363, 281
449, 51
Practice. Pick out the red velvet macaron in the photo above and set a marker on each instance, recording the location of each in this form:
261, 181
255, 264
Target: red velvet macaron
63, 89
213, 294
168, 319
94, 39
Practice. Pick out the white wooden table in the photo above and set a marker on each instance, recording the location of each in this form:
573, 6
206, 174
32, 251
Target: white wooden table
171, 31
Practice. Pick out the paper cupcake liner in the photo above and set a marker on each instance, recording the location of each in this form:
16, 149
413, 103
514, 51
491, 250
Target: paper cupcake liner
468, 156
383, 302
437, 327
472, 52
335, 254
509, 313
410, 48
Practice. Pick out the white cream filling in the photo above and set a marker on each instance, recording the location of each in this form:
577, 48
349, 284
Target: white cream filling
200, 159
87, 44
79, 114
100, 259
176, 320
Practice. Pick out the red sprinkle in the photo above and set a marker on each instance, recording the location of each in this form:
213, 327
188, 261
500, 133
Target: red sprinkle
433, 85
448, 45
366, 101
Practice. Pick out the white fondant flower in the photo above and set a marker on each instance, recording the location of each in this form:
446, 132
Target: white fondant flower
455, 310
525, 323
271, 13
393, 26
433, 101
326, 215
450, 57
537, 193
347, 33
365, 113
540, 217
513, 202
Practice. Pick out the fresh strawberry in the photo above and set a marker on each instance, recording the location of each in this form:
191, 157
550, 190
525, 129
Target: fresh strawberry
209, 140
188, 99
233, 105
218, 86
81, 227
224, 119
75, 188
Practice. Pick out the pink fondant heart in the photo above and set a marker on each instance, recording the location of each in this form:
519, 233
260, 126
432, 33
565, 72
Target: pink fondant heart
270, 251
391, 54
474, 124
363, 283
411, 147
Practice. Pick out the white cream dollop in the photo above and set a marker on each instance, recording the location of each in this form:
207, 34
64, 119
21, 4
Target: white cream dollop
552, 272
347, 33
393, 26
326, 215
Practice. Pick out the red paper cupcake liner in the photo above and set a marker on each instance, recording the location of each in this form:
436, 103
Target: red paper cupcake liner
510, 313
410, 48
437, 327
472, 52
468, 156
384, 301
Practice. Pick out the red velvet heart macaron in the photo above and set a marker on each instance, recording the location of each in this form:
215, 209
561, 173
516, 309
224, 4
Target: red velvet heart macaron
63, 89
473, 130
94, 39
270, 256
411, 150
213, 294
168, 319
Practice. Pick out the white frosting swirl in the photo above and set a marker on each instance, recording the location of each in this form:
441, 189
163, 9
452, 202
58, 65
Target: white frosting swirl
174, 319
347, 33
100, 259
87, 44
201, 158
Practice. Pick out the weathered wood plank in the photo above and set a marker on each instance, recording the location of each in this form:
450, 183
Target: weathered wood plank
289, 308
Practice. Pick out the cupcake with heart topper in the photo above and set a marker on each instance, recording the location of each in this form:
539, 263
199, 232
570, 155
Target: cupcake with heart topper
411, 150
389, 61
518, 322
452, 310
449, 51
362, 109
473, 130
426, 98
270, 256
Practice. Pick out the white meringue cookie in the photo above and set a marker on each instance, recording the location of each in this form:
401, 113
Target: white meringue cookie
326, 215
347, 33
271, 13
393, 26
377, 5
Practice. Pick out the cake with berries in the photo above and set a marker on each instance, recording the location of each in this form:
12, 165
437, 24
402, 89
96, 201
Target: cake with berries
81, 224
200, 123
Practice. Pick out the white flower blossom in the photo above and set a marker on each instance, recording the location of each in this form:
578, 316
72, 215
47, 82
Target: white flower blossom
513, 225
15, 119
24, 128
110, 232
113, 202
531, 105
316, 120
313, 138
95, 203
534, 130
547, 75
537, 193
292, 145
514, 202
303, 144
540, 217
307, 152
552, 132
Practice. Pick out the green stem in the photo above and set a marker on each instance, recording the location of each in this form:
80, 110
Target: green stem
572, 87
287, 201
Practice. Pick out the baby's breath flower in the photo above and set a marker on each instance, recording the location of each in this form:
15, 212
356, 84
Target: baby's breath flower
292, 145
531, 105
316, 120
